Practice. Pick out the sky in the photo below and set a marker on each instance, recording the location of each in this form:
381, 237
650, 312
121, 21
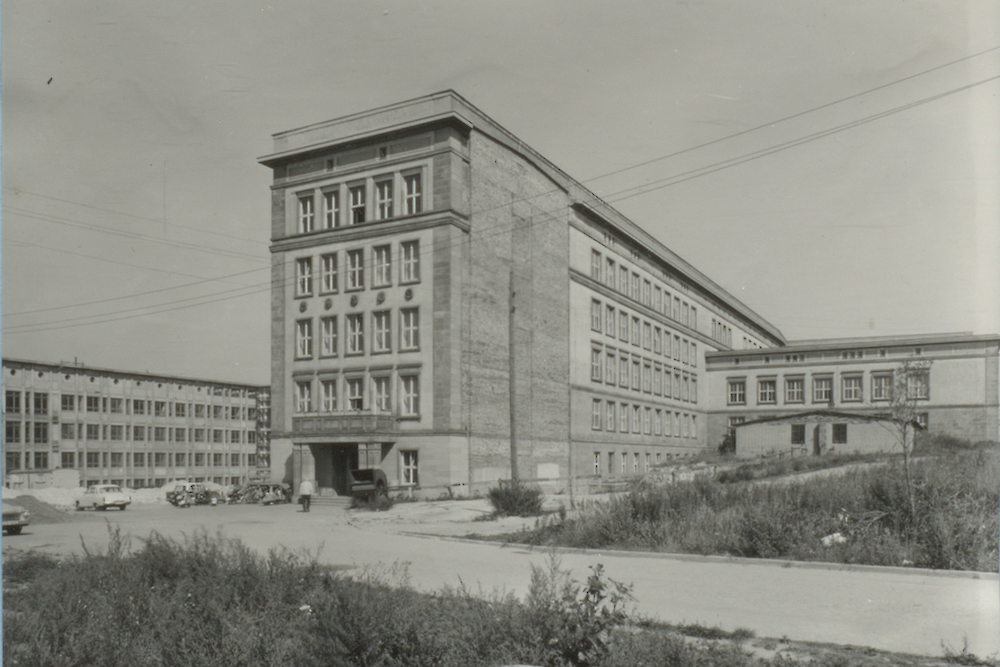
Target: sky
832, 164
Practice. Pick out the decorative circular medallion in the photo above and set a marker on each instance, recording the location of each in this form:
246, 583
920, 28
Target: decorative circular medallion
302, 306
328, 304
408, 295
380, 298
354, 300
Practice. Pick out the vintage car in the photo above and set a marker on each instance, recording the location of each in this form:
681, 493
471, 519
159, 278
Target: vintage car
186, 494
266, 493
15, 518
103, 496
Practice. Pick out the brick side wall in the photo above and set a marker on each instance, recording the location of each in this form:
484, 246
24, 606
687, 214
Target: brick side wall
531, 236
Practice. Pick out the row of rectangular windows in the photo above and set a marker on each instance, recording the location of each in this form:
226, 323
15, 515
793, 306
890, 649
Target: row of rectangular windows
378, 397
641, 333
851, 389
723, 333
625, 371
408, 260
643, 420
130, 460
366, 199
641, 289
354, 334
623, 457
123, 432
74, 403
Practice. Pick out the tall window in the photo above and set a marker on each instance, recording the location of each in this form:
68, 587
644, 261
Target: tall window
595, 265
839, 434
595, 415
383, 199
609, 275
822, 390
851, 388
623, 371
647, 335
303, 396
410, 395
918, 386
13, 404
331, 209
623, 326
794, 390
411, 261
12, 432
355, 334
595, 364
303, 276
408, 467
409, 329
610, 368
383, 266
328, 344
881, 387
414, 193
381, 388
355, 269
798, 434
381, 332
636, 332
610, 413
609, 321
766, 391
307, 214
303, 339
328, 277
357, 194
737, 392
355, 393
595, 316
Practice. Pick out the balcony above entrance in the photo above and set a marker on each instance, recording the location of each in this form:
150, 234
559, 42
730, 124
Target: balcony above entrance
352, 423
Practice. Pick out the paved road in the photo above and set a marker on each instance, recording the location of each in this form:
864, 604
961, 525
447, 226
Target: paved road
885, 608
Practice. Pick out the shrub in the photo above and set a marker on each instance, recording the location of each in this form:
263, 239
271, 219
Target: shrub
516, 499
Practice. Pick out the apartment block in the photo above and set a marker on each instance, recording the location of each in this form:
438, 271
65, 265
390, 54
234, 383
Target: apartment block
132, 429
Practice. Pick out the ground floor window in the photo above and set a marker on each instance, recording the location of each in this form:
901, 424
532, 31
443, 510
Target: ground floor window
13, 461
597, 463
840, 434
798, 434
408, 467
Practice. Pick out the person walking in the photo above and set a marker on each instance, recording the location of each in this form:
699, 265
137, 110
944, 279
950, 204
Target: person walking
305, 494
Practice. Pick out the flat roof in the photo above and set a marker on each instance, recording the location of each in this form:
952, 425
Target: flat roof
64, 366
863, 343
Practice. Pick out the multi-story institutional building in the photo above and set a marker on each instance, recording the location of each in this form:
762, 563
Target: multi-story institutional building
441, 291
126, 428
451, 307
955, 394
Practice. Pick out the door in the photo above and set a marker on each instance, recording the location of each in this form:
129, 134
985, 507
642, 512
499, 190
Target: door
344, 459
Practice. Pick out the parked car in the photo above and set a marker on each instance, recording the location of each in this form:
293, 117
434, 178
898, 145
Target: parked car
262, 492
369, 482
15, 518
103, 496
191, 493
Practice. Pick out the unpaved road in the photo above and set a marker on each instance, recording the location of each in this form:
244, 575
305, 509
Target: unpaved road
890, 609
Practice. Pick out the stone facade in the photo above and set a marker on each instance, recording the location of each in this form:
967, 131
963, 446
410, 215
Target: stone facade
542, 311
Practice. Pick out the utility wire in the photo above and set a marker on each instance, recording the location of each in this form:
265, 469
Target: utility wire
679, 178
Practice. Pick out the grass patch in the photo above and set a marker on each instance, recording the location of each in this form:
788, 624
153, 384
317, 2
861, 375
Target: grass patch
210, 601
955, 525
776, 467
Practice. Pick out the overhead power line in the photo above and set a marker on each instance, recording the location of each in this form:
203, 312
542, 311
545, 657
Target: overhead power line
545, 216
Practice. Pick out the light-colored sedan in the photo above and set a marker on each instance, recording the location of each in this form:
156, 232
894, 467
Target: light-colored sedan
15, 518
103, 496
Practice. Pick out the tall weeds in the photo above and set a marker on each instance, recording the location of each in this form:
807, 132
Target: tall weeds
955, 525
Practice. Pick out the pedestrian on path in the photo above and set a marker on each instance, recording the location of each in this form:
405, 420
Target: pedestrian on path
305, 494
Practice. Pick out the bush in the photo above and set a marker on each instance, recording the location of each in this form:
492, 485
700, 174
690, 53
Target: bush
516, 499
